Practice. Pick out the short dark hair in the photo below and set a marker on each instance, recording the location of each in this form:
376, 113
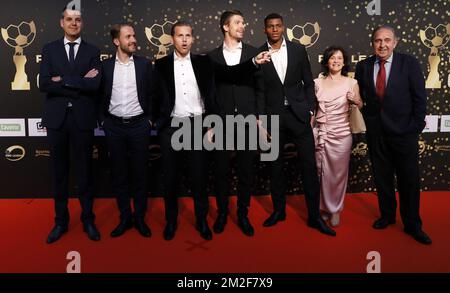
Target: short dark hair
115, 29
273, 16
384, 26
180, 23
225, 18
327, 55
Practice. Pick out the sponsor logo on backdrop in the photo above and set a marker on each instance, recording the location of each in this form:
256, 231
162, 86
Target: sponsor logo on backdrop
442, 148
422, 147
306, 34
159, 36
19, 37
445, 123
434, 38
12, 127
15, 153
35, 127
431, 123
42, 153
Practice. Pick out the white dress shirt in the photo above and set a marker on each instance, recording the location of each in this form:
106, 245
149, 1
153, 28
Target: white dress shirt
232, 56
280, 62
188, 101
75, 48
124, 96
279, 59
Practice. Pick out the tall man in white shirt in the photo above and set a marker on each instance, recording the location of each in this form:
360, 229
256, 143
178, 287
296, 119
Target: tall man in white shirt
125, 115
289, 92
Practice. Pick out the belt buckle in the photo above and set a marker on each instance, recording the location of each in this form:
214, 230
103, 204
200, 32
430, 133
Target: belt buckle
126, 120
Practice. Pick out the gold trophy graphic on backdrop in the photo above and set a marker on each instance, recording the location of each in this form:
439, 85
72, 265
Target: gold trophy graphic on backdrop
159, 36
19, 37
434, 38
306, 34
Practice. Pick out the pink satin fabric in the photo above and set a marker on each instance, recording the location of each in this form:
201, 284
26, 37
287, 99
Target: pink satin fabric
333, 141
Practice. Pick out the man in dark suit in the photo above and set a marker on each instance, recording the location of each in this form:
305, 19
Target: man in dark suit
392, 87
237, 94
125, 115
289, 93
70, 75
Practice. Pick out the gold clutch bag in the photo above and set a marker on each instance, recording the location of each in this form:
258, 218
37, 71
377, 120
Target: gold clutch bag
356, 119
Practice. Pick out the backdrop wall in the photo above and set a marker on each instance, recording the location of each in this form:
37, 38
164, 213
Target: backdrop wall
423, 27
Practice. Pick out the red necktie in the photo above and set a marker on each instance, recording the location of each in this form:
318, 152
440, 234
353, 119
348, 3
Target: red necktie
381, 80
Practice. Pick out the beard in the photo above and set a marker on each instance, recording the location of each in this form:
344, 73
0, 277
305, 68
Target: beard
129, 49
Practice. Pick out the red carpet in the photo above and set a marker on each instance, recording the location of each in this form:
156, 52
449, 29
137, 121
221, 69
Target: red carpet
290, 246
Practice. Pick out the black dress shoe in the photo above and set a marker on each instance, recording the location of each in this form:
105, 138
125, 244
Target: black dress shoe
169, 231
320, 225
382, 223
123, 226
419, 236
219, 224
142, 227
91, 231
202, 227
274, 218
246, 227
56, 233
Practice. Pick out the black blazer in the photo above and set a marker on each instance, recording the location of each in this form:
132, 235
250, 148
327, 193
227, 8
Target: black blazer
404, 105
165, 86
74, 87
298, 86
238, 88
144, 78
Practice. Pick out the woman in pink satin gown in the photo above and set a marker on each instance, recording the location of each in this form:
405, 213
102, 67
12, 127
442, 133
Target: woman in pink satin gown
335, 93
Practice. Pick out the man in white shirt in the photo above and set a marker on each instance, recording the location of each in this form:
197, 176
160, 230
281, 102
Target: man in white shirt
125, 115
185, 93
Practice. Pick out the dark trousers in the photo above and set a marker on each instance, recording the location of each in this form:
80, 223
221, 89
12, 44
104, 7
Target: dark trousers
244, 172
396, 156
293, 129
128, 145
173, 165
62, 141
